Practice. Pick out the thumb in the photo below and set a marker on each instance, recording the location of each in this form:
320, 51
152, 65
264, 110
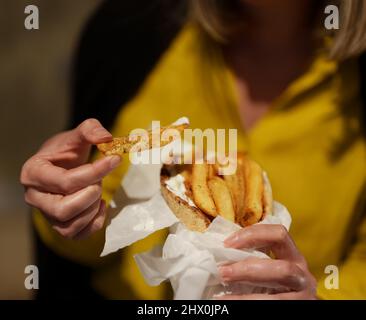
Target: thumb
91, 131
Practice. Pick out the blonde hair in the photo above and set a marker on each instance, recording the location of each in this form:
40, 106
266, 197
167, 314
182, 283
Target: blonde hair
217, 18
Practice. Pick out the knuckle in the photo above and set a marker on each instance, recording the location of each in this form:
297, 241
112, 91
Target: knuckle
282, 233
294, 275
61, 212
91, 121
24, 173
302, 282
288, 268
248, 232
97, 225
243, 267
249, 241
64, 185
88, 123
67, 233
28, 198
95, 169
23, 178
67, 185
95, 189
246, 235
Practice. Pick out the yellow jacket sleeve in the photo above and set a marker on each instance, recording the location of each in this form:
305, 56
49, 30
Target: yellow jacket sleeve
351, 280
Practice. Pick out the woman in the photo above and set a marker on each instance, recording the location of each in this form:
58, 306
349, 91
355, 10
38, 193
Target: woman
268, 69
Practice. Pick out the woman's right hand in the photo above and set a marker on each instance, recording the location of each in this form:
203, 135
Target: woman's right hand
66, 189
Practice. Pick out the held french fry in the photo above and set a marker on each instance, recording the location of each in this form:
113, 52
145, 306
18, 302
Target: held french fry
253, 200
222, 198
135, 142
201, 192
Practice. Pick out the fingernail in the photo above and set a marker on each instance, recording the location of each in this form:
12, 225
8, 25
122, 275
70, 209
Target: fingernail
114, 161
102, 205
99, 222
225, 271
231, 240
101, 133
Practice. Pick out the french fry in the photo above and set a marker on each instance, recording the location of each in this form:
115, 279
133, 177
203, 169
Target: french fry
253, 200
241, 157
222, 198
201, 192
241, 186
241, 189
267, 197
237, 188
134, 142
212, 172
233, 186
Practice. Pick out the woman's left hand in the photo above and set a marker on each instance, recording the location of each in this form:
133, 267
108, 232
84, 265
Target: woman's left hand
287, 275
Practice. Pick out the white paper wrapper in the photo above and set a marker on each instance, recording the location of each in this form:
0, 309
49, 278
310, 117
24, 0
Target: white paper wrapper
188, 259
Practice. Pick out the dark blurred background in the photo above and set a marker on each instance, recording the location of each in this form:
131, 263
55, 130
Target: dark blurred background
34, 99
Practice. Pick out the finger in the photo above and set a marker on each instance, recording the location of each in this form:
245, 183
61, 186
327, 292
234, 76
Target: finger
261, 296
266, 236
95, 224
90, 173
63, 208
72, 227
278, 274
41, 174
302, 295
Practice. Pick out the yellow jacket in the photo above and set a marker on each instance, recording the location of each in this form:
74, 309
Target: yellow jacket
310, 143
